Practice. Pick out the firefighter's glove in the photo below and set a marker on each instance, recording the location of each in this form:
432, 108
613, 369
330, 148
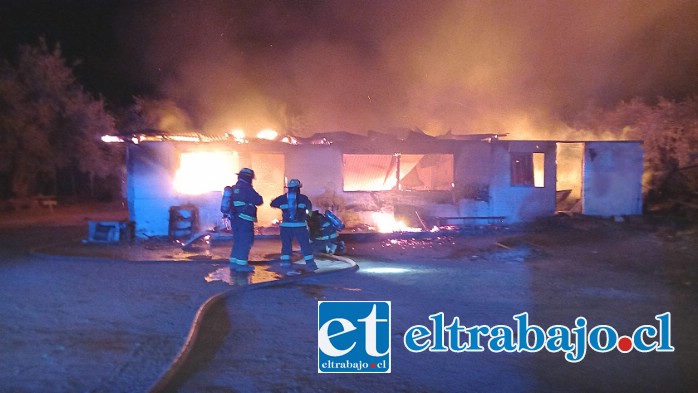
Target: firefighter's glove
226, 223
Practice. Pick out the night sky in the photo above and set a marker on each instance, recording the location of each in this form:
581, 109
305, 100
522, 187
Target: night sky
485, 66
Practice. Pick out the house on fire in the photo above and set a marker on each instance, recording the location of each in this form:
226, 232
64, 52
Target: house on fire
378, 180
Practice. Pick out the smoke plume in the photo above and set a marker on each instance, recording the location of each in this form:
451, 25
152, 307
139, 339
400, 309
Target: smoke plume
521, 67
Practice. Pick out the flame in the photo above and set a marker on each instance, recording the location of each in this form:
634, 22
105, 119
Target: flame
238, 134
268, 134
538, 170
111, 139
205, 171
386, 223
290, 140
184, 138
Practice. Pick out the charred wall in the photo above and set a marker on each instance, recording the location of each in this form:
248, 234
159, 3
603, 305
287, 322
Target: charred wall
515, 180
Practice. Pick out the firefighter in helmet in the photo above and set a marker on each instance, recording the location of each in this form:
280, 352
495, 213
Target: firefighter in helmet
239, 205
294, 210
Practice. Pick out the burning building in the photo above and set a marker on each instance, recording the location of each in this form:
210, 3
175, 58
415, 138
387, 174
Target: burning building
381, 182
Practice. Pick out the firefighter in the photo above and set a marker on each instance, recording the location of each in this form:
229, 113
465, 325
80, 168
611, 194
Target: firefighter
323, 232
294, 211
239, 205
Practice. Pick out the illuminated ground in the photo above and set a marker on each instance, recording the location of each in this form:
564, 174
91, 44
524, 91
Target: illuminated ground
80, 325
616, 274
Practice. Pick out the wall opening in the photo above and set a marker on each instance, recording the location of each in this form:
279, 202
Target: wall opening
406, 172
539, 170
200, 172
570, 163
370, 172
426, 172
521, 169
528, 169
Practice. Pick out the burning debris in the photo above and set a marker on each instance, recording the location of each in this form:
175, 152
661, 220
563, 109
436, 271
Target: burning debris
413, 243
386, 223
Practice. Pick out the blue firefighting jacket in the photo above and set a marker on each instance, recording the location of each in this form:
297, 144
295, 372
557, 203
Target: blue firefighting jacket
293, 213
241, 201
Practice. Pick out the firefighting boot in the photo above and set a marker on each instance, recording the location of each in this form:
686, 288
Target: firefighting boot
310, 265
331, 248
237, 265
243, 268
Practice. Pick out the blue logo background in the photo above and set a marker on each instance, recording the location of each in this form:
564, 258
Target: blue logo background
354, 337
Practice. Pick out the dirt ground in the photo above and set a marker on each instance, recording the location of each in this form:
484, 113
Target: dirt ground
123, 316
620, 274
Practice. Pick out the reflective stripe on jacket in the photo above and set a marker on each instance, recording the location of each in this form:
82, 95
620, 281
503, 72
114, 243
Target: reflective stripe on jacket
245, 201
288, 218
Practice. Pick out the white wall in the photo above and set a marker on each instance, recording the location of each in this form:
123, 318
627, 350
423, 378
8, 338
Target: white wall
151, 170
612, 178
150, 187
472, 175
611, 183
521, 203
318, 167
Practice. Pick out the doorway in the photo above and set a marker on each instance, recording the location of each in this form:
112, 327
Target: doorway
570, 169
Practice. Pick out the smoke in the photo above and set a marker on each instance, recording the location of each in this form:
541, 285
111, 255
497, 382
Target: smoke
460, 66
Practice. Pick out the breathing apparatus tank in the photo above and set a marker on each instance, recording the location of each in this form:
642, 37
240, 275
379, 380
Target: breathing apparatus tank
227, 201
334, 220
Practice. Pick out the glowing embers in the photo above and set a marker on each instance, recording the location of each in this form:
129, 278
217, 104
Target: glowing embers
205, 171
425, 243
